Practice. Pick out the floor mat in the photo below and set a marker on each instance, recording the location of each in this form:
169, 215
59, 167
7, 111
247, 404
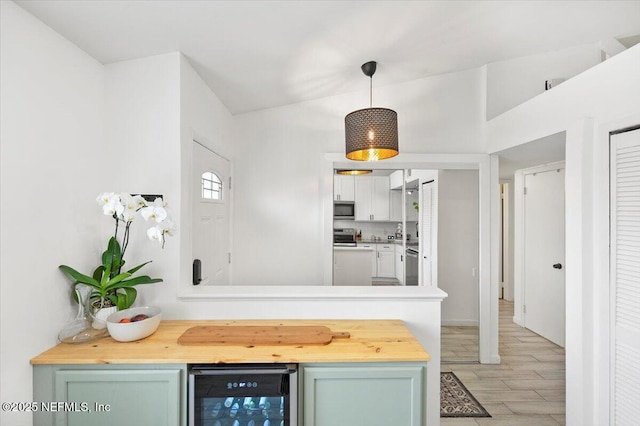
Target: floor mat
456, 400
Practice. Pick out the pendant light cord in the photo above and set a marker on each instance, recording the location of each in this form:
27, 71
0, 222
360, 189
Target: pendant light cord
371, 92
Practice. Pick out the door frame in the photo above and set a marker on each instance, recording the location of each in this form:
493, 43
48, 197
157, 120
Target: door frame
488, 224
519, 237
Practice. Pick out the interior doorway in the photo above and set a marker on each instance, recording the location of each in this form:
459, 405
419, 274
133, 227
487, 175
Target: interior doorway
506, 247
457, 206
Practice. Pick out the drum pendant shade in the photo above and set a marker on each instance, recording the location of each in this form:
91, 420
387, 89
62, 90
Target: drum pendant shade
371, 134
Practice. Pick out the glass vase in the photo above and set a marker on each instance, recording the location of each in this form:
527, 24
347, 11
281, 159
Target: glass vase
82, 329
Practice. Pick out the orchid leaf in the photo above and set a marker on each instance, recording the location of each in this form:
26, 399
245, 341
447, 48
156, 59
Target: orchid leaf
137, 268
143, 279
80, 278
97, 274
113, 282
126, 299
111, 257
106, 275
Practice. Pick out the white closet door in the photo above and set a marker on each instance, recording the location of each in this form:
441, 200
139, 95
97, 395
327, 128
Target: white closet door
625, 278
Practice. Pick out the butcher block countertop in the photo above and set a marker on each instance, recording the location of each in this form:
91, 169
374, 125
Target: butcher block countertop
369, 341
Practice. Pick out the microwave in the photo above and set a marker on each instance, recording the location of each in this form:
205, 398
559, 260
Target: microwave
344, 210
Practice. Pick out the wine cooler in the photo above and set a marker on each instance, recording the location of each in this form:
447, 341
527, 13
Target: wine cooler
243, 395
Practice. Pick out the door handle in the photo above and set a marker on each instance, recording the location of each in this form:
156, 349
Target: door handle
197, 272
558, 265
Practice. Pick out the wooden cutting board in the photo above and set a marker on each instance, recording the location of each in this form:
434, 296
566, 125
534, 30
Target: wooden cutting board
259, 335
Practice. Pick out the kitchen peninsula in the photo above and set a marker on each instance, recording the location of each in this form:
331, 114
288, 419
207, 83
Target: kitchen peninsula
380, 358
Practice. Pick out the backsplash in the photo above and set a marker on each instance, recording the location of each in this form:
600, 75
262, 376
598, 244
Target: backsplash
375, 229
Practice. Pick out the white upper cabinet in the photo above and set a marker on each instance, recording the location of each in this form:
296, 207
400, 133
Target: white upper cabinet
380, 200
343, 188
372, 198
395, 179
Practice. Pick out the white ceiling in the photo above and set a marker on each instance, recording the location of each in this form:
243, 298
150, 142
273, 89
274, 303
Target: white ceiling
546, 150
260, 54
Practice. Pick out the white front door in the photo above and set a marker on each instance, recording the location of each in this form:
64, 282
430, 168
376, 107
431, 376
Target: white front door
544, 265
210, 206
428, 234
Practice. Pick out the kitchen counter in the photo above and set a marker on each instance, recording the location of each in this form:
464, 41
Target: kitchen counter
370, 341
350, 248
410, 243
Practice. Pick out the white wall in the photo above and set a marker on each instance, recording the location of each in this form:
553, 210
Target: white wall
142, 127
601, 99
458, 229
53, 164
514, 81
278, 167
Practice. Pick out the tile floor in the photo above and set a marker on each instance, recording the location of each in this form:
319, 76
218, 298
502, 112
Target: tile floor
527, 388
459, 344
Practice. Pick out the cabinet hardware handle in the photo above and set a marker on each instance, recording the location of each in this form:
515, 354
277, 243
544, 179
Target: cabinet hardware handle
558, 266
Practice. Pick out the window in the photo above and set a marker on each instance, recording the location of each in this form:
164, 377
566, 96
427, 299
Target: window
211, 186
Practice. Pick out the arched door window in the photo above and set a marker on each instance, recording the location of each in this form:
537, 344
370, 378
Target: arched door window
211, 186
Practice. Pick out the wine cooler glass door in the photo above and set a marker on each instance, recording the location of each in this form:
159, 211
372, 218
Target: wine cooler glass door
236, 396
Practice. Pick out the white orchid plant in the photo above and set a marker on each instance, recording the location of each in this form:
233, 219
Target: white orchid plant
110, 285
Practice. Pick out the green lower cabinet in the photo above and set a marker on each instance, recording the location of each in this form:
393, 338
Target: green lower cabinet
377, 394
140, 395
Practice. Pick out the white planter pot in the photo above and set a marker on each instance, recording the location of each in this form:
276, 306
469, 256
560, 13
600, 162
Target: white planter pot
100, 317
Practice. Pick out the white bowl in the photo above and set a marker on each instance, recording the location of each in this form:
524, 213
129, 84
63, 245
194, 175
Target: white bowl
130, 331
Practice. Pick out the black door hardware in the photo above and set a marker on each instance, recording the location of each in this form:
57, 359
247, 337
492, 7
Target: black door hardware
197, 272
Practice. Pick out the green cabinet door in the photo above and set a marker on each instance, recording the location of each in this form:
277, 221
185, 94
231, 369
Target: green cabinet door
112, 396
364, 395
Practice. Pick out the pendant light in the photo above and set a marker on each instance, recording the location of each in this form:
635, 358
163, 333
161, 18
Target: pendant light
372, 133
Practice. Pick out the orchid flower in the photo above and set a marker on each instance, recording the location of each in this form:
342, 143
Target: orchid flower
106, 198
155, 233
124, 207
113, 208
154, 212
168, 227
131, 206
